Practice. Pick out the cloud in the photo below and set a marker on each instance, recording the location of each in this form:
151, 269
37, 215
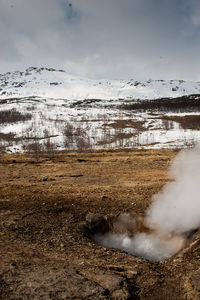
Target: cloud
108, 39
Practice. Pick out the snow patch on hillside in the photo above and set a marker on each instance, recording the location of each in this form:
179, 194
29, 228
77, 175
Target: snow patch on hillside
58, 84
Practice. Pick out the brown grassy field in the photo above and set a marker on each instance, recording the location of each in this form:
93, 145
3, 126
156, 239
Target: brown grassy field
186, 122
44, 255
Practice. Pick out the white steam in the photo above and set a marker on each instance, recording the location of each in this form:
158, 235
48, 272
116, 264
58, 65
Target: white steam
150, 246
176, 209
173, 213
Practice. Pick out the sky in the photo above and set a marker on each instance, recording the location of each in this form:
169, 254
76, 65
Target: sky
111, 39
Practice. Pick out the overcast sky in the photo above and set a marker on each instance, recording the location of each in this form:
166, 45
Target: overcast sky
157, 39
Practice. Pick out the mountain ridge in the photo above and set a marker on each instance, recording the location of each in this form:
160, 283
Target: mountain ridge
58, 84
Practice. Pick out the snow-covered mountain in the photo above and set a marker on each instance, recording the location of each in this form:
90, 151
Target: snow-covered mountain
58, 84
45, 106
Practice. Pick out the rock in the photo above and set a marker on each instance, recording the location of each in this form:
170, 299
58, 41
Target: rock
107, 281
95, 223
45, 178
81, 160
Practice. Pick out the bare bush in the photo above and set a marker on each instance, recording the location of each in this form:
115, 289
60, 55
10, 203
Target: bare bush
35, 150
49, 148
46, 133
167, 125
79, 131
83, 143
76, 138
2, 148
31, 108
13, 116
68, 133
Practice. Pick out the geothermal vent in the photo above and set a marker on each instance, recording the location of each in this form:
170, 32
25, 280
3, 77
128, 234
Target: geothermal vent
168, 223
133, 236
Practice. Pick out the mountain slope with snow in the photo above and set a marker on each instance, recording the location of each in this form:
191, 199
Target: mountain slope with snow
58, 84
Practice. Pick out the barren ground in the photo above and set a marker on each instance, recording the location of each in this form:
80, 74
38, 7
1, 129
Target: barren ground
45, 256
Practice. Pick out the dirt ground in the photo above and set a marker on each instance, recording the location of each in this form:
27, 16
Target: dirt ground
44, 255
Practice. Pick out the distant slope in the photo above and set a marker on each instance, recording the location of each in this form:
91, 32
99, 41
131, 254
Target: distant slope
58, 84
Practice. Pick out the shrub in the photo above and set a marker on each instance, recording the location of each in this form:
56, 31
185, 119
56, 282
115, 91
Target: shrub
35, 150
68, 133
49, 148
13, 116
76, 138
2, 148
83, 143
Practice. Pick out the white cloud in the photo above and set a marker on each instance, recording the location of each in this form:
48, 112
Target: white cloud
196, 18
115, 38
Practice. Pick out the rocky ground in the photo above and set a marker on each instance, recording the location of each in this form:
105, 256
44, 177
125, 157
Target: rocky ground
45, 255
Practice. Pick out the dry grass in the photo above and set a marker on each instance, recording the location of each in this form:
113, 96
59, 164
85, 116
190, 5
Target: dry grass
126, 178
122, 124
43, 253
186, 122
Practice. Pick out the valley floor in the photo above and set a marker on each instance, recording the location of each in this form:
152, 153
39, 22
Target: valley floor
44, 255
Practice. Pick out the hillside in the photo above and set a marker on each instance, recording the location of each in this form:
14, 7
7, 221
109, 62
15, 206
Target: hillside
44, 107
52, 83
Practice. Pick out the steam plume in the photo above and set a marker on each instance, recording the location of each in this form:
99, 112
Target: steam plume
176, 209
173, 213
